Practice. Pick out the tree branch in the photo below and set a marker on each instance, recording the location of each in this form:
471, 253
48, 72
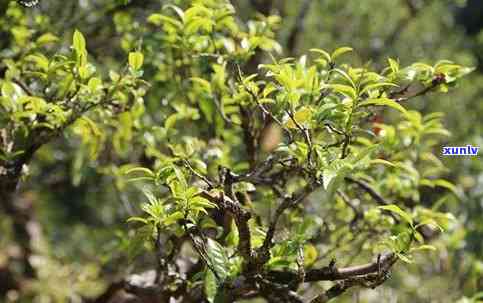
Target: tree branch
332, 273
24, 87
367, 188
241, 217
438, 80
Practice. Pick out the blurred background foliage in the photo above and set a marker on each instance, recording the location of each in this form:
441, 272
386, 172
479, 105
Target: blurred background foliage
80, 202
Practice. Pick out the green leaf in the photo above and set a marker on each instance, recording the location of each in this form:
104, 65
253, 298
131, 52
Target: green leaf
383, 162
180, 177
394, 65
147, 171
202, 202
232, 238
94, 83
446, 184
395, 209
137, 219
157, 19
192, 192
423, 247
404, 258
334, 175
173, 218
218, 258
83, 71
340, 51
170, 121
364, 152
210, 286
40, 60
136, 60
418, 236
385, 102
199, 25
47, 38
346, 76
430, 222
337, 167
203, 83
346, 90
325, 54
114, 76
79, 42
301, 117
8, 89
310, 254
278, 262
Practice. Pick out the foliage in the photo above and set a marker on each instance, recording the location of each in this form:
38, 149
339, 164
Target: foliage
239, 177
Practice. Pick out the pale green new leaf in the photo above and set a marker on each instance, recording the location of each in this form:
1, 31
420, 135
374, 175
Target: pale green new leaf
137, 219
180, 176
136, 60
340, 51
394, 65
344, 89
157, 19
145, 170
47, 38
346, 76
395, 209
445, 184
79, 42
325, 54
383, 162
384, 102
210, 286
173, 218
423, 247
404, 258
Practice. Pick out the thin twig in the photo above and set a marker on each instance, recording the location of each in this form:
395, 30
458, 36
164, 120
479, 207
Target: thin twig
200, 249
202, 177
422, 92
371, 191
306, 134
24, 87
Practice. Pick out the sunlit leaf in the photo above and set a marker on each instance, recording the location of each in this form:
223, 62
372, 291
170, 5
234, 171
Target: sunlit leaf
395, 209
423, 247
136, 60
340, 51
384, 102
310, 254
79, 42
301, 117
